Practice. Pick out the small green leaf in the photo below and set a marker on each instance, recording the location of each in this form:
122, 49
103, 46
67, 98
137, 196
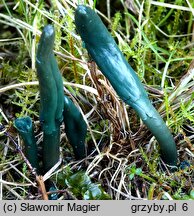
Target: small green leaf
138, 171
81, 186
78, 182
95, 192
131, 176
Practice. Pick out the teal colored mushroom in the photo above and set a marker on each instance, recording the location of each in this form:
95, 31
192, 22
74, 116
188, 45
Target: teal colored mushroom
54, 106
75, 128
51, 97
105, 52
25, 128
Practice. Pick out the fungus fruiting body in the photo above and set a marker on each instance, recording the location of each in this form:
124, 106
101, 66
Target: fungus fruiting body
112, 63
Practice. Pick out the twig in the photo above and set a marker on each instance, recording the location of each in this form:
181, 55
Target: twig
42, 188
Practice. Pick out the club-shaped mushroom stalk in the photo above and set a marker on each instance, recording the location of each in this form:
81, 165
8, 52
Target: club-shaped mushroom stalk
75, 128
25, 128
51, 97
105, 52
